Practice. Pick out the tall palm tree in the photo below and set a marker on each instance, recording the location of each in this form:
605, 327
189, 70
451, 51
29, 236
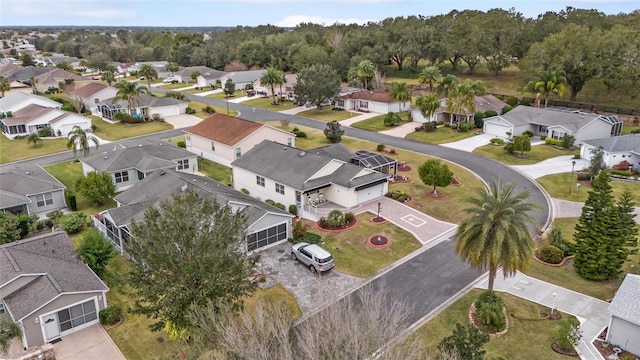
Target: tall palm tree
430, 75
129, 92
366, 71
79, 140
8, 329
34, 84
402, 93
495, 232
64, 65
5, 85
272, 77
428, 104
34, 139
149, 73
547, 83
109, 77
446, 84
461, 99
172, 67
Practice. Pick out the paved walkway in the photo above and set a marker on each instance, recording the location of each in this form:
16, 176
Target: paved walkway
591, 312
296, 110
402, 130
355, 119
90, 343
211, 92
240, 99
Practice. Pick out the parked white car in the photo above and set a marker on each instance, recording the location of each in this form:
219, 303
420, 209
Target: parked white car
168, 80
313, 256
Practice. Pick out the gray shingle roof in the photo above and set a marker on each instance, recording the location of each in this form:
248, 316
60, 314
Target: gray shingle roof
295, 167
571, 120
160, 186
630, 143
245, 76
52, 260
19, 180
144, 100
626, 303
143, 158
22, 99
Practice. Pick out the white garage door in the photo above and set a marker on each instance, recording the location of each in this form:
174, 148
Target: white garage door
166, 111
67, 128
496, 130
370, 193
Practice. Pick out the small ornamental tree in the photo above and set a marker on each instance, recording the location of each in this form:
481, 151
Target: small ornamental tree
96, 251
9, 231
435, 173
521, 144
98, 187
229, 87
597, 162
464, 344
334, 132
391, 119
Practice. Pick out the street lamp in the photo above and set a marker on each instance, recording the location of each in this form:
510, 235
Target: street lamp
573, 165
379, 210
554, 302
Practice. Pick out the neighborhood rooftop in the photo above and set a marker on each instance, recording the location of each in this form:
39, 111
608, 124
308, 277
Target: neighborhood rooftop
143, 158
225, 129
626, 302
19, 180
630, 143
571, 120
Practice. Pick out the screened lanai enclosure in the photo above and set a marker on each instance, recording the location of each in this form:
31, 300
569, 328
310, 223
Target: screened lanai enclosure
108, 110
375, 161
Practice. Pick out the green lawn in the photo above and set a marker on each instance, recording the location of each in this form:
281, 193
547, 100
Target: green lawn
198, 107
266, 103
528, 339
557, 185
214, 170
377, 123
537, 154
222, 96
14, 150
119, 131
68, 173
276, 295
441, 136
327, 114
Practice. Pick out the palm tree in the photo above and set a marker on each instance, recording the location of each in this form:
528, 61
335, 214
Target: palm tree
149, 73
430, 75
366, 71
272, 77
34, 82
172, 67
129, 92
461, 98
64, 65
79, 140
195, 74
5, 85
8, 329
109, 77
111, 67
495, 233
547, 83
428, 104
446, 84
35, 139
402, 93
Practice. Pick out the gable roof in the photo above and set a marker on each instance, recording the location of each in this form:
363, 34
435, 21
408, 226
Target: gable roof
295, 167
626, 303
15, 99
570, 120
203, 70
143, 158
52, 261
245, 76
144, 100
34, 111
20, 73
225, 129
161, 185
56, 75
19, 180
630, 143
90, 89
371, 95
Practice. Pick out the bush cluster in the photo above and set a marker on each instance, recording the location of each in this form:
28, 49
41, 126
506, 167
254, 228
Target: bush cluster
74, 223
190, 111
489, 309
398, 195
497, 140
110, 315
551, 254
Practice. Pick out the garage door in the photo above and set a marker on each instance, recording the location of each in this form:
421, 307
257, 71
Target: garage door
166, 111
496, 129
67, 128
370, 193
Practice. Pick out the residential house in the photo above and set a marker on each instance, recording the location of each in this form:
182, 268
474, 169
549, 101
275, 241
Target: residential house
314, 183
28, 189
127, 166
14, 72
286, 90
92, 94
52, 61
616, 150
267, 225
31, 118
184, 75
481, 103
624, 325
18, 100
159, 66
144, 106
50, 81
552, 123
242, 78
47, 290
223, 138
376, 101
17, 86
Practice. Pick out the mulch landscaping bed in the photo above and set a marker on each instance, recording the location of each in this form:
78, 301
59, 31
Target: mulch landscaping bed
436, 195
378, 241
400, 180
404, 168
378, 220
337, 229
609, 350
569, 352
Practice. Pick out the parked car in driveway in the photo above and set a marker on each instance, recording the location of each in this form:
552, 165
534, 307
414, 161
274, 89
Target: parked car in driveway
313, 256
167, 80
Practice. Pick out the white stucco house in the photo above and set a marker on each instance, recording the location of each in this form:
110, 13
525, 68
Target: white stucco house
145, 106
482, 104
552, 123
624, 325
92, 94
32, 118
311, 180
376, 101
208, 76
615, 149
242, 78
16, 101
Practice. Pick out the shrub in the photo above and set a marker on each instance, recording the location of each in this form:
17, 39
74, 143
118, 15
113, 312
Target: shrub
245, 191
279, 206
96, 251
463, 128
182, 144
301, 134
512, 100
497, 140
44, 132
506, 109
349, 218
110, 315
293, 209
624, 173
552, 141
209, 110
428, 126
298, 230
335, 218
555, 236
55, 215
157, 117
25, 222
568, 335
567, 141
295, 130
510, 147
440, 123
67, 107
40, 225
398, 195
525, 103
380, 147
551, 254
490, 113
635, 131
489, 309
323, 223
71, 200
446, 125
74, 223
576, 156
478, 119
528, 133
543, 137
190, 111
270, 202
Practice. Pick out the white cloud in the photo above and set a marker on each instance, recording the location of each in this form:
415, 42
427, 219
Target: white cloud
294, 20
69, 10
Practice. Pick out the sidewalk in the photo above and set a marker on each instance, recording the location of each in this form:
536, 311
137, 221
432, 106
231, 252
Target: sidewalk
470, 144
591, 312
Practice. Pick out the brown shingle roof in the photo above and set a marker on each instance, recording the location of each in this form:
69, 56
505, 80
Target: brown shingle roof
89, 90
27, 114
224, 129
57, 75
372, 95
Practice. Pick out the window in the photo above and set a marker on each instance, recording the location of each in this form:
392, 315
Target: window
238, 152
122, 177
280, 188
183, 164
289, 142
266, 237
187, 137
340, 103
44, 199
260, 180
213, 146
364, 104
1, 308
77, 315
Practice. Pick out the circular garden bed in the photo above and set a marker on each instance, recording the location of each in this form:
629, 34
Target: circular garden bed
378, 241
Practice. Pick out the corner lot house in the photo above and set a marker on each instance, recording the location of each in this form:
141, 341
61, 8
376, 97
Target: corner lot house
376, 101
482, 104
127, 166
32, 118
47, 290
624, 326
208, 76
266, 224
223, 138
92, 93
615, 149
28, 189
552, 123
144, 106
313, 182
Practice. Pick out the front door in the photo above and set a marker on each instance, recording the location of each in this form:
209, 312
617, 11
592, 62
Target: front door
51, 328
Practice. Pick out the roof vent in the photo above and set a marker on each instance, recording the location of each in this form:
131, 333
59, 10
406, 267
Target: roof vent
162, 172
302, 153
139, 145
285, 148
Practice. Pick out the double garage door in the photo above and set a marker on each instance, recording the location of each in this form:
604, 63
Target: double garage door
370, 193
497, 130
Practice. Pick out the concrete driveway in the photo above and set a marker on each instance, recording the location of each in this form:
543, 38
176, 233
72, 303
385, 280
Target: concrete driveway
402, 130
556, 165
470, 144
182, 121
90, 343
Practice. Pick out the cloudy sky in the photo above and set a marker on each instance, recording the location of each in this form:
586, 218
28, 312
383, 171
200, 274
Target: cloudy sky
257, 12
